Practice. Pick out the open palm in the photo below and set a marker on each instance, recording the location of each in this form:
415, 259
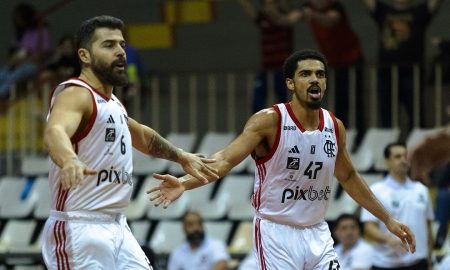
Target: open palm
169, 190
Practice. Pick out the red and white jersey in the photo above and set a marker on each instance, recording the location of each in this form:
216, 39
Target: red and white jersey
105, 146
293, 181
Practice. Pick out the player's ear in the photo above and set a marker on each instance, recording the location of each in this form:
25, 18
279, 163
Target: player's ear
84, 55
290, 84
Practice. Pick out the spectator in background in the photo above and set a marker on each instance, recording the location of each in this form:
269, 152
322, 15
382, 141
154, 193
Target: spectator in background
341, 46
275, 25
401, 41
409, 202
63, 64
31, 46
198, 252
353, 252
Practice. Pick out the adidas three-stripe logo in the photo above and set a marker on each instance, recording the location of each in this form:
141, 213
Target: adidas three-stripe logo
294, 150
110, 120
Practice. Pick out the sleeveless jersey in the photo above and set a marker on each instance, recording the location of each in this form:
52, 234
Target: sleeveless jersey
105, 146
293, 181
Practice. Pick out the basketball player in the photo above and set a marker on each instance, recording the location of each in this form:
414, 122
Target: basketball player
89, 138
297, 147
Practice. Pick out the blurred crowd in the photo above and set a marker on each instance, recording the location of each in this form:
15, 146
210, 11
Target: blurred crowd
33, 58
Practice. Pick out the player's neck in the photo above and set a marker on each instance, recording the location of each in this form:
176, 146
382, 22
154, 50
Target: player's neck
88, 76
308, 117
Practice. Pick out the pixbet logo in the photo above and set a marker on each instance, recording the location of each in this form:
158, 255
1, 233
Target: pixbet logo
114, 176
305, 194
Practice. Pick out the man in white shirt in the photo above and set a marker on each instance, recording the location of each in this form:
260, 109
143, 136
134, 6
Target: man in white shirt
353, 252
198, 252
409, 202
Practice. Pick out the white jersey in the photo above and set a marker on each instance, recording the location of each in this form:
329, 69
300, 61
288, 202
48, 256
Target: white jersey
293, 181
105, 146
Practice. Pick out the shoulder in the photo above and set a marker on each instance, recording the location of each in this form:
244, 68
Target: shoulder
77, 90
264, 119
340, 128
75, 95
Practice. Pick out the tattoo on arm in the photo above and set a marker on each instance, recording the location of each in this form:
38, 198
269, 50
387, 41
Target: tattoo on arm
161, 148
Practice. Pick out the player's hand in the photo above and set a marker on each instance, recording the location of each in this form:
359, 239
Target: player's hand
168, 191
197, 166
73, 172
404, 233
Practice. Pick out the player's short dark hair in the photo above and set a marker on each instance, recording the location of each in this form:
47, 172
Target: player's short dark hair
87, 28
290, 64
348, 216
387, 149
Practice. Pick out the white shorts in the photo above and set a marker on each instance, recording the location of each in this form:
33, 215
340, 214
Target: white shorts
79, 240
279, 246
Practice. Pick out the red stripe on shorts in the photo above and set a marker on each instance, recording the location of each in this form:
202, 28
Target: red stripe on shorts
66, 258
57, 240
259, 248
61, 255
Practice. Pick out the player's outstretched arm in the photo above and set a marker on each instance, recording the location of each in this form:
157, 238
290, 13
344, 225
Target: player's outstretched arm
357, 188
69, 113
254, 132
148, 141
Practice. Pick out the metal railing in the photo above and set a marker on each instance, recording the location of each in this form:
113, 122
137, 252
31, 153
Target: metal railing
198, 102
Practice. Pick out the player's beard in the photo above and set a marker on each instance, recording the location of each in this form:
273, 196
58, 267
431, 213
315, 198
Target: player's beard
108, 75
312, 104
